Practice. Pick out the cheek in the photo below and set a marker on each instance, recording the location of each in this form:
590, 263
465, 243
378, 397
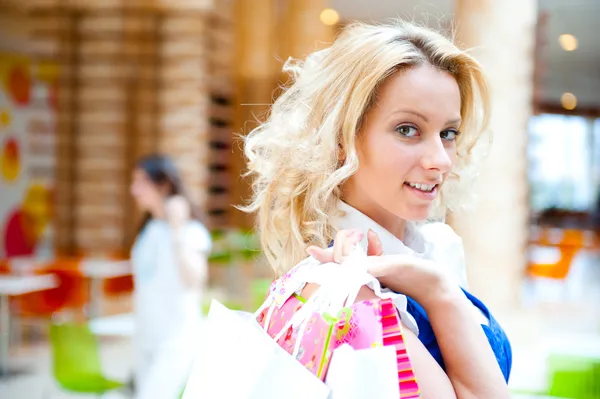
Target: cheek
394, 163
384, 164
144, 194
402, 161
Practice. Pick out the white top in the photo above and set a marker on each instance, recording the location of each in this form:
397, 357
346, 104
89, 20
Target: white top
434, 241
164, 306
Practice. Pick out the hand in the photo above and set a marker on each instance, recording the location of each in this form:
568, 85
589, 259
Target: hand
416, 277
177, 210
343, 245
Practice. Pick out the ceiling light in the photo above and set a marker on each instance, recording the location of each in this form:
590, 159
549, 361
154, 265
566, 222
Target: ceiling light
568, 42
568, 101
329, 16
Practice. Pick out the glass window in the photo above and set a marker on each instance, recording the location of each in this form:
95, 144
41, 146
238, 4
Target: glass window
564, 158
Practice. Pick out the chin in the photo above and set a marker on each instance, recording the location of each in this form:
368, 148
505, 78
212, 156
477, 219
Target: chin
141, 206
415, 215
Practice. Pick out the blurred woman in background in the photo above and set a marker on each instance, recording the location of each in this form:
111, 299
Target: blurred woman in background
169, 261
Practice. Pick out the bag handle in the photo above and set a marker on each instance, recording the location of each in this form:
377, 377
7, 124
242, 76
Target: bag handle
338, 289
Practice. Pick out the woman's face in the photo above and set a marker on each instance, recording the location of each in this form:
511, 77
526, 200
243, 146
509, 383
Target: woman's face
148, 195
406, 146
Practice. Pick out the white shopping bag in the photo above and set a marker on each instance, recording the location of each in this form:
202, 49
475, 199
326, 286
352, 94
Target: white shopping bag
363, 374
237, 359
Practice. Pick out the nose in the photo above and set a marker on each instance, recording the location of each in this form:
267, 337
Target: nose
436, 156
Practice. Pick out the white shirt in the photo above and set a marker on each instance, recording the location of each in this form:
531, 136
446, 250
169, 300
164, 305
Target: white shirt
434, 241
164, 306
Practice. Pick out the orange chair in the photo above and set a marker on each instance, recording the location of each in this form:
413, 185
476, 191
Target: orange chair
558, 270
119, 285
4, 266
568, 241
574, 238
71, 292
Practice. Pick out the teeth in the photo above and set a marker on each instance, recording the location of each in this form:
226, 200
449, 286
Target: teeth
422, 187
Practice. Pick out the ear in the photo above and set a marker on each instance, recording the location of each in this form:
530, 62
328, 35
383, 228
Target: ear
341, 155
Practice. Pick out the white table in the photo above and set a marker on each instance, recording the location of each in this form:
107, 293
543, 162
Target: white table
97, 270
11, 285
120, 325
94, 269
27, 265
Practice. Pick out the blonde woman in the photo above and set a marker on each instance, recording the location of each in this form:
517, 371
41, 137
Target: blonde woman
376, 135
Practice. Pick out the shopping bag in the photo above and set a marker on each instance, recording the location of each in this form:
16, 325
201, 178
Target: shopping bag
237, 359
361, 374
312, 329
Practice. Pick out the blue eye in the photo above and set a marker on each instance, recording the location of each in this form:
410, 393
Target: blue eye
407, 130
449, 135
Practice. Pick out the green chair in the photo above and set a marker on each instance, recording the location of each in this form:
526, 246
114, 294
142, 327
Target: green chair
76, 360
260, 289
572, 377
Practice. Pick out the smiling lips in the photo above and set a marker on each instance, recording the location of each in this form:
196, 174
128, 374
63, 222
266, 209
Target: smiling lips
422, 187
422, 190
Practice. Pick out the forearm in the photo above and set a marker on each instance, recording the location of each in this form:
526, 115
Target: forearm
190, 271
470, 362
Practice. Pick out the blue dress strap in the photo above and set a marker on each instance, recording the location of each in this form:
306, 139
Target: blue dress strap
494, 333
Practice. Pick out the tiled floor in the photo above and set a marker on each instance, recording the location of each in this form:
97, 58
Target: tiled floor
556, 312
557, 317
38, 383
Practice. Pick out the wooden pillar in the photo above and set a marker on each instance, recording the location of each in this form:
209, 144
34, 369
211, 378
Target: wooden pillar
501, 35
134, 82
183, 98
222, 64
302, 28
255, 78
267, 33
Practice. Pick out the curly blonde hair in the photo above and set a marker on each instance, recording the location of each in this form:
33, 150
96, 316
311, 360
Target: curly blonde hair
295, 156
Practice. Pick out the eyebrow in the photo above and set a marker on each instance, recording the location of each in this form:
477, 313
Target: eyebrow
420, 115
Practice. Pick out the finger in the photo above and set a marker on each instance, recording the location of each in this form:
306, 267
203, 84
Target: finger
323, 256
374, 248
350, 244
338, 245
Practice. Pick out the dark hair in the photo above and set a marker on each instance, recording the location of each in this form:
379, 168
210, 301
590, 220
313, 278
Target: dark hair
161, 170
